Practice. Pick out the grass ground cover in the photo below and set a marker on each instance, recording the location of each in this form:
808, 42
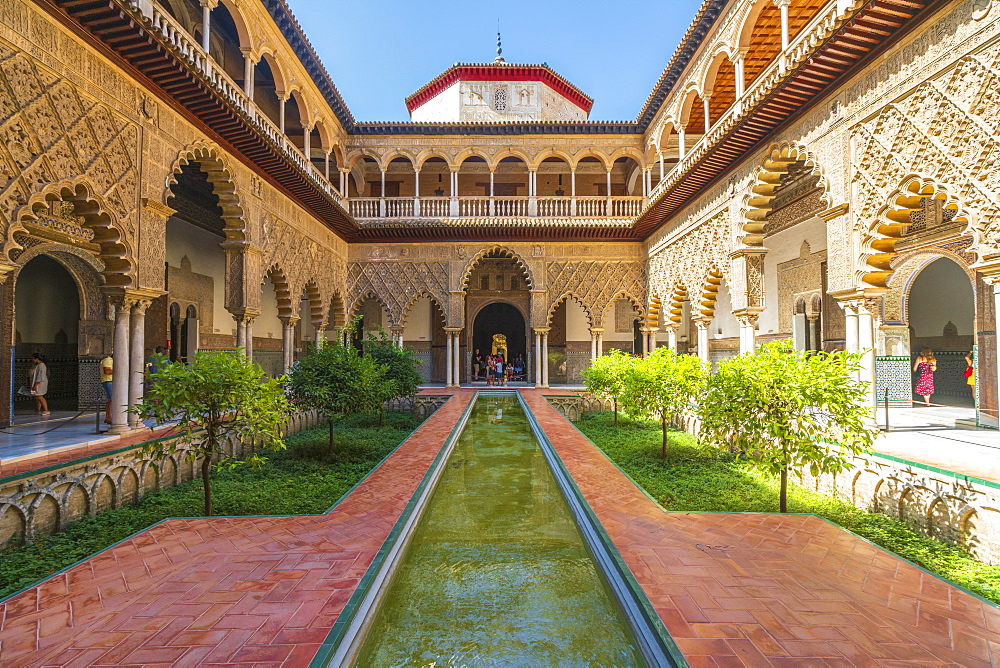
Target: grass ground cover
688, 479
300, 480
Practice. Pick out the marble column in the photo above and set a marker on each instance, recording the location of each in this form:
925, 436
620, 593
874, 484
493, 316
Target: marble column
137, 358
538, 357
748, 328
545, 358
458, 359
652, 338
702, 326
866, 345
287, 341
815, 332
593, 344
449, 360
850, 326
672, 338
120, 368
644, 335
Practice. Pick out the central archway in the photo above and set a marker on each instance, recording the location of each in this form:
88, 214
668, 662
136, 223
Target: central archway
504, 319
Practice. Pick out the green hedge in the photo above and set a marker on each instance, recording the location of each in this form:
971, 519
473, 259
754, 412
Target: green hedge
296, 481
691, 480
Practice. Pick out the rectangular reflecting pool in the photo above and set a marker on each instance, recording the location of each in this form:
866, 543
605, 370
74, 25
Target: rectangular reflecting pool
496, 572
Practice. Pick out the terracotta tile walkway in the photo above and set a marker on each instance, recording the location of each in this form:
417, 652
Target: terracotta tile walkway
215, 591
760, 590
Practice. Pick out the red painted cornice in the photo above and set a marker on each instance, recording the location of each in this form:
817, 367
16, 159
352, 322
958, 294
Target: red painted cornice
499, 72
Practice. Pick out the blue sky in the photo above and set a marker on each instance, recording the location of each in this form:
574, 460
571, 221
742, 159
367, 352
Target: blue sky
380, 51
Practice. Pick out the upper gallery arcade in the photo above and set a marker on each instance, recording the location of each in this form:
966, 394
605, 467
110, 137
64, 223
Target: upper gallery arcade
190, 176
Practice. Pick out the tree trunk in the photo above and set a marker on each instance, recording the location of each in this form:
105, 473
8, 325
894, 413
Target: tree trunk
616, 412
663, 425
206, 479
329, 447
783, 495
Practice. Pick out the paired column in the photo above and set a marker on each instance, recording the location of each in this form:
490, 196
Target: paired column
397, 336
288, 341
866, 343
644, 335
815, 332
541, 367
545, 357
206, 22
244, 318
596, 334
860, 338
702, 326
672, 338
119, 378
129, 355
137, 358
652, 338
748, 329
453, 368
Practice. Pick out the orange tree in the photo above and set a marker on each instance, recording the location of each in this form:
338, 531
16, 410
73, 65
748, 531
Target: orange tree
784, 408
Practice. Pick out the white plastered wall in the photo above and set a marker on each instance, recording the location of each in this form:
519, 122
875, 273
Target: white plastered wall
784, 246
418, 322
577, 325
207, 258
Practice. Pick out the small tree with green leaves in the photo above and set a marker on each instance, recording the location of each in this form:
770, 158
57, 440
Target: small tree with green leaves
217, 397
606, 375
663, 385
401, 367
784, 408
338, 381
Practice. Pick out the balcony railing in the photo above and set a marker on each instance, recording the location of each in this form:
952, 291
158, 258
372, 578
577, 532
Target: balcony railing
495, 207
188, 49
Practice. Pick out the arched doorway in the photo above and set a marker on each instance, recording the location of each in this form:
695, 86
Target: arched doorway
47, 321
941, 315
496, 320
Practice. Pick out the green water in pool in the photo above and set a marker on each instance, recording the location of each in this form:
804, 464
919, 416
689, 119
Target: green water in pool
496, 573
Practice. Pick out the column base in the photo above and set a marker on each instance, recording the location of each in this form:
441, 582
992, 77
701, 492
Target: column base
119, 429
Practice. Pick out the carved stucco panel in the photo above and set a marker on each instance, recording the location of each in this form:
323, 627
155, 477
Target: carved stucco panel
50, 132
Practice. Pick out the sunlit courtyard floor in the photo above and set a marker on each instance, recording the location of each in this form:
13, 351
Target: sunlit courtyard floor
754, 589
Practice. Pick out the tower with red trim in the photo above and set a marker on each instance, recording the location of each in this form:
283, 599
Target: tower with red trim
498, 92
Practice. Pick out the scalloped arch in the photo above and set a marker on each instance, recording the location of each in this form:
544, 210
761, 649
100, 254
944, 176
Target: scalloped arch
498, 248
116, 252
565, 297
757, 203
220, 174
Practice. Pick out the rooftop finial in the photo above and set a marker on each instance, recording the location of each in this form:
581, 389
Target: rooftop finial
499, 58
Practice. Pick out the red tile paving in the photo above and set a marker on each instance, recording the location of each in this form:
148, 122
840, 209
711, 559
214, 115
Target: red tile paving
760, 590
220, 591
105, 444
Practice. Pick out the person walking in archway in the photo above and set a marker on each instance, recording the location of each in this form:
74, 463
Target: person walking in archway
926, 364
40, 384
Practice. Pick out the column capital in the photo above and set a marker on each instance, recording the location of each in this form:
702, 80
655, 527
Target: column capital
781, 4
209, 4
702, 323
541, 330
453, 330
288, 320
244, 314
596, 330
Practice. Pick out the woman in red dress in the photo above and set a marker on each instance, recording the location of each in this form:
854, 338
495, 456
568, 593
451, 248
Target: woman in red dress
927, 364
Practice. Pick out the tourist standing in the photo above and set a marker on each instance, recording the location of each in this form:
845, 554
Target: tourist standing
107, 373
40, 384
926, 364
477, 364
501, 379
970, 372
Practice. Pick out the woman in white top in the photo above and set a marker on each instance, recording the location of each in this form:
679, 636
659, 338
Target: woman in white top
40, 384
